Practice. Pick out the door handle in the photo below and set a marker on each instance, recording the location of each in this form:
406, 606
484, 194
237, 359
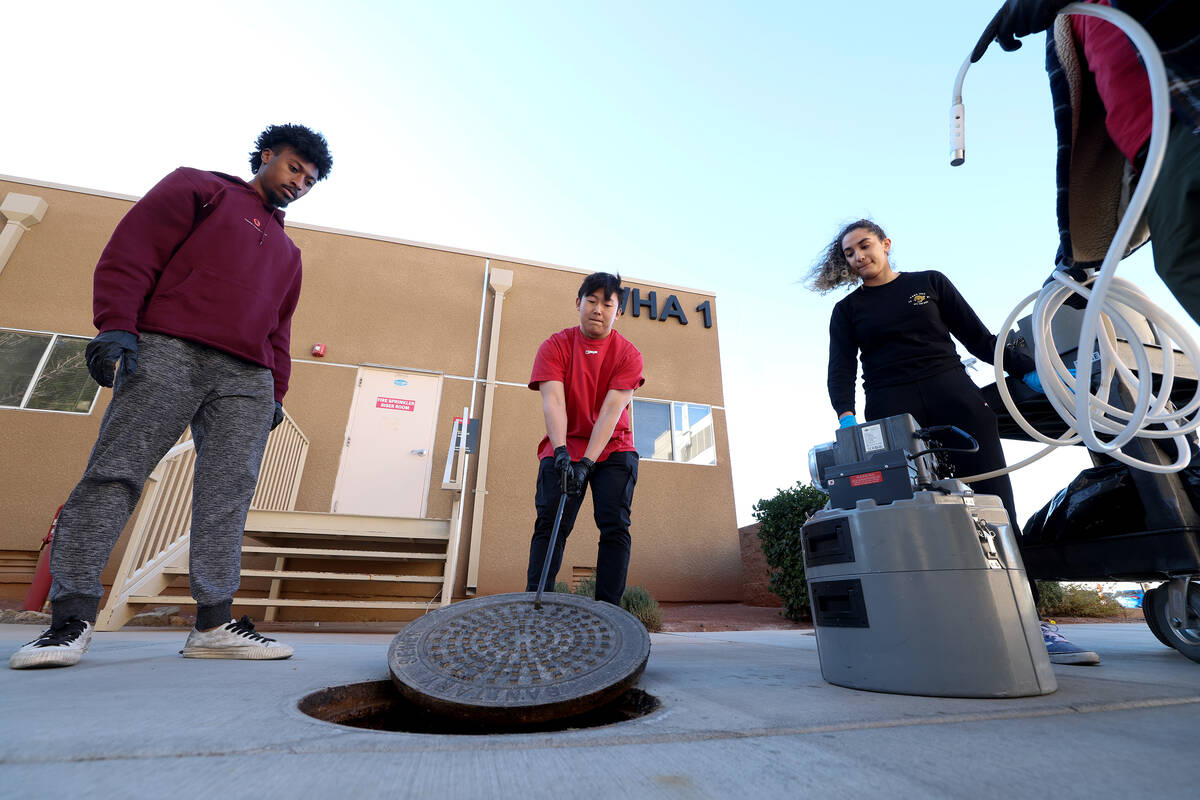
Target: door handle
419, 452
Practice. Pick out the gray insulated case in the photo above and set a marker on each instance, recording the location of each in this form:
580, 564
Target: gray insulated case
924, 596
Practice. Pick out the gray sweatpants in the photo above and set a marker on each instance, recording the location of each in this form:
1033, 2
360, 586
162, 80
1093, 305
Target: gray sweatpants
229, 403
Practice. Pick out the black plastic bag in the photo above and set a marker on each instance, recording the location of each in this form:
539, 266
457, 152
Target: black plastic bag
1099, 502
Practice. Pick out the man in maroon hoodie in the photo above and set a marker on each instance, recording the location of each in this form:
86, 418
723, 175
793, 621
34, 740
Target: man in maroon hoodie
193, 298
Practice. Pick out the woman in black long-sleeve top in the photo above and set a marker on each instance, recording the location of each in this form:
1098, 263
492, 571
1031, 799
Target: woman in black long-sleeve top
900, 325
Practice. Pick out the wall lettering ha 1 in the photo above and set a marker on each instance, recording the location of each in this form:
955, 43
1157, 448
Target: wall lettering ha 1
635, 303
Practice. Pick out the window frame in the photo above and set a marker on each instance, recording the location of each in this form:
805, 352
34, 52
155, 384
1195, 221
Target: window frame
37, 373
671, 406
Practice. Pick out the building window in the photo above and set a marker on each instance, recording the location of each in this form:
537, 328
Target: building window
45, 372
671, 431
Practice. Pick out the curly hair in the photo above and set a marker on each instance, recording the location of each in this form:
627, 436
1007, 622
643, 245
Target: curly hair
831, 269
311, 146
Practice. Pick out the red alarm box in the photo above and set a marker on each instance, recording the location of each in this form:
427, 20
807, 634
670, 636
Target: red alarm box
318, 350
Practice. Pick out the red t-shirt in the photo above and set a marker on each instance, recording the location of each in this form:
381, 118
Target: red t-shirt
588, 369
1120, 79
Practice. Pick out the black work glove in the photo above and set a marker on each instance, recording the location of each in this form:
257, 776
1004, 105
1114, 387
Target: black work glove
105, 350
562, 465
581, 470
1014, 19
278, 417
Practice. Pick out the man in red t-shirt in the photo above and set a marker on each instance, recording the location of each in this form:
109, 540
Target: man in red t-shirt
586, 376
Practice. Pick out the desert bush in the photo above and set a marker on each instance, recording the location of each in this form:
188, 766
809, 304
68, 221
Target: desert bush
1050, 595
638, 601
780, 519
586, 587
561, 587
1074, 600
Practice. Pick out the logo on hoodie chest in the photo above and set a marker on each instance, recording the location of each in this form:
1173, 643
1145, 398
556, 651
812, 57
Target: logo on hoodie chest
255, 222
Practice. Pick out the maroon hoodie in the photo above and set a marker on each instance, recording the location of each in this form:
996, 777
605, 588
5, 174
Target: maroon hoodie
203, 257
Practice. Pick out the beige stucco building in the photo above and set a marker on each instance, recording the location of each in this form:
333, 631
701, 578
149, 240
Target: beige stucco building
408, 343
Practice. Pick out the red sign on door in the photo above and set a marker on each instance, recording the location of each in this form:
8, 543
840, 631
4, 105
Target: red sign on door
395, 403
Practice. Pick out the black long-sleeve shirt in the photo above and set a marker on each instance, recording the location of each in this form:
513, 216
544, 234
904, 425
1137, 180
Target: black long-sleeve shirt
903, 329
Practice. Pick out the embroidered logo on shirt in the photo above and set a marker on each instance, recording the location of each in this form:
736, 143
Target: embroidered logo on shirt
918, 299
257, 225
587, 352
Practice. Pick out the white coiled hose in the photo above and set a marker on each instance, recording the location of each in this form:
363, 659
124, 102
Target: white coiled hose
1088, 413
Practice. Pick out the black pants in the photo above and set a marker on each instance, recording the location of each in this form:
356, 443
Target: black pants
612, 485
952, 398
1173, 212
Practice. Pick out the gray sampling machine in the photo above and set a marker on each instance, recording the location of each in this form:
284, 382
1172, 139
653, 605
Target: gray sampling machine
916, 583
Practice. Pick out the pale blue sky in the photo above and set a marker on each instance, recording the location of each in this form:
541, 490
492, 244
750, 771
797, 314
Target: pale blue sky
714, 145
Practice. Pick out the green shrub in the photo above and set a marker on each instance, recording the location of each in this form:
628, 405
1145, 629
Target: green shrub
638, 601
1074, 600
1050, 596
586, 587
780, 519
561, 587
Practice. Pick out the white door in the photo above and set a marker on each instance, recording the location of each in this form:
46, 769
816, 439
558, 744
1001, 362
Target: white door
388, 453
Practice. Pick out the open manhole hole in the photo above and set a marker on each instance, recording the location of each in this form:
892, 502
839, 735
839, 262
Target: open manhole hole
377, 705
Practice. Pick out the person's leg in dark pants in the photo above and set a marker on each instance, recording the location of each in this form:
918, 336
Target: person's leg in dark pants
612, 483
1173, 213
549, 490
230, 430
952, 398
147, 414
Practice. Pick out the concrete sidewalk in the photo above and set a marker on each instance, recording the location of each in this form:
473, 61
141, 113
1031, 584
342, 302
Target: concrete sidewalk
743, 714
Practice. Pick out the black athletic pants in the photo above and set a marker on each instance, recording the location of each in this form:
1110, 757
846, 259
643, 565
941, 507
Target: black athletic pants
952, 398
1173, 212
612, 485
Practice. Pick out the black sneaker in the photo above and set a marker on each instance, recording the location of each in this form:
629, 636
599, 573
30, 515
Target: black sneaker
59, 646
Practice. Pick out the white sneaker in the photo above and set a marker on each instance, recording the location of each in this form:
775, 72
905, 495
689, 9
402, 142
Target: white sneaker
236, 639
59, 646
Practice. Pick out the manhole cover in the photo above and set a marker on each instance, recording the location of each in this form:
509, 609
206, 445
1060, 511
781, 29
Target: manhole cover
498, 658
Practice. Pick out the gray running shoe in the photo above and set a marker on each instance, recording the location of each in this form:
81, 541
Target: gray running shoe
59, 646
236, 639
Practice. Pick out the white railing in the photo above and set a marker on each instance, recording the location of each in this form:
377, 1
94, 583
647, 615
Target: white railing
458, 447
160, 535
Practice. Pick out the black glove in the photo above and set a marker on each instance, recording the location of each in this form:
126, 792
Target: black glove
105, 350
278, 417
562, 465
581, 470
1017, 18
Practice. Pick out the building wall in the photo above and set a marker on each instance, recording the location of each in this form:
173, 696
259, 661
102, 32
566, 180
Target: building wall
381, 302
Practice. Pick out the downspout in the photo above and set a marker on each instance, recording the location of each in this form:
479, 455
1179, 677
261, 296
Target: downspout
501, 281
22, 212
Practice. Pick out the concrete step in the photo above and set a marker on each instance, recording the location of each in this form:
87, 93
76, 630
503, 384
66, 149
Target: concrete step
323, 576
175, 600
316, 523
315, 552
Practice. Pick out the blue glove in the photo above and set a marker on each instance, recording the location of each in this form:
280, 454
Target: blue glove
1032, 380
847, 421
278, 417
106, 350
